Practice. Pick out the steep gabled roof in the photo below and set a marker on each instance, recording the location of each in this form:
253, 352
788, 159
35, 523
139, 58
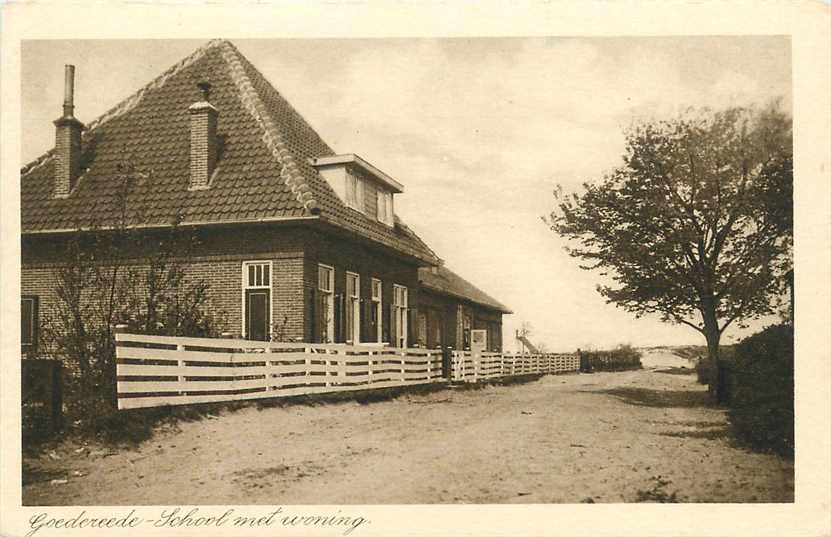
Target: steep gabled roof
264, 172
445, 281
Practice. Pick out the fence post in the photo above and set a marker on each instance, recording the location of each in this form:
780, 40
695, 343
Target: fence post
337, 368
369, 364
307, 352
119, 329
403, 359
181, 363
268, 364
327, 368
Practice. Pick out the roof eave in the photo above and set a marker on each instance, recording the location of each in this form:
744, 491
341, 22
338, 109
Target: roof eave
208, 223
422, 259
352, 158
501, 309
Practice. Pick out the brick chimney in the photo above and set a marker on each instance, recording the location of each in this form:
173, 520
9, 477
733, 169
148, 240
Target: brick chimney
67, 140
203, 142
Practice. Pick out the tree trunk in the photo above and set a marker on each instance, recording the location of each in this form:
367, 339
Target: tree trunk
714, 376
713, 335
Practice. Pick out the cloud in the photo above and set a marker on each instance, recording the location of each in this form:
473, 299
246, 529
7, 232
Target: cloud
480, 130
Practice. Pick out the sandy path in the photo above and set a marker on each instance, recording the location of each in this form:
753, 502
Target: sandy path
608, 437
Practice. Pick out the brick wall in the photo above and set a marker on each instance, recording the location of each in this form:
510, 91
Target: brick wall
295, 253
453, 311
345, 254
217, 259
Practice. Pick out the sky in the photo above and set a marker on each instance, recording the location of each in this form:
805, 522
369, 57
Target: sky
479, 131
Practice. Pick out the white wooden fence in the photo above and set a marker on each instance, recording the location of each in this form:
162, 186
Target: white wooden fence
161, 370
470, 366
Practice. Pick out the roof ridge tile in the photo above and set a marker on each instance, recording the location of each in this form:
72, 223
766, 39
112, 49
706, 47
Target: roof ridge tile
272, 137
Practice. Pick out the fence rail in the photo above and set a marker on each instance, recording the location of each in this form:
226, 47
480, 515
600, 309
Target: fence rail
469, 366
161, 370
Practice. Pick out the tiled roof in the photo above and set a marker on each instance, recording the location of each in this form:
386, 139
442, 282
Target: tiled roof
447, 282
263, 172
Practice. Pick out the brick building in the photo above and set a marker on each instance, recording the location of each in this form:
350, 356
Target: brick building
291, 234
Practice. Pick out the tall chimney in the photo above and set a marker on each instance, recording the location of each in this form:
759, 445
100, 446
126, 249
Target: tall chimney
68, 90
203, 142
67, 140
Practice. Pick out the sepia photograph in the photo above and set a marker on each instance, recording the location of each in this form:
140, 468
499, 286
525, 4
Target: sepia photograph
520, 270
415, 270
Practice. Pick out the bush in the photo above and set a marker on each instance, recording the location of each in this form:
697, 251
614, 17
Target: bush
702, 369
726, 355
761, 400
119, 278
623, 358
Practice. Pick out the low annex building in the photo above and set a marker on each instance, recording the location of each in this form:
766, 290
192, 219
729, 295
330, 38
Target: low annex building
291, 234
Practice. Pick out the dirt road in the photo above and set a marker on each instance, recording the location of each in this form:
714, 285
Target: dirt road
643, 435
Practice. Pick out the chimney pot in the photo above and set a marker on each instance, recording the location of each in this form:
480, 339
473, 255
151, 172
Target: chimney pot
67, 140
68, 90
205, 88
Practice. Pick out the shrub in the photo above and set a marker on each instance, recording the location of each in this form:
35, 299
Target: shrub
623, 358
702, 369
702, 365
761, 400
137, 282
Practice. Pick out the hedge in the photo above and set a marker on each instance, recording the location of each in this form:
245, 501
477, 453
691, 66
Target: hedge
623, 358
761, 390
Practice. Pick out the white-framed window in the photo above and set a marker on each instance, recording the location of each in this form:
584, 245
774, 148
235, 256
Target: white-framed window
385, 211
256, 300
354, 191
376, 316
326, 288
399, 305
353, 308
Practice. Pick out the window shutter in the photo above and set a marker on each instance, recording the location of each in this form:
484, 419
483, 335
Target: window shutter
389, 326
365, 320
29, 325
26, 329
35, 325
412, 320
338, 314
371, 322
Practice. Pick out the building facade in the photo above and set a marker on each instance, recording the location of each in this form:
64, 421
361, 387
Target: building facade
295, 242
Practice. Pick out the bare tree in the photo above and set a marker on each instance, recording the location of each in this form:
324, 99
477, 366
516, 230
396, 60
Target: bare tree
117, 276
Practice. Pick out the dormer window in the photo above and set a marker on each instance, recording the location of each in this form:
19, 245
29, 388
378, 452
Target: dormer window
385, 211
360, 185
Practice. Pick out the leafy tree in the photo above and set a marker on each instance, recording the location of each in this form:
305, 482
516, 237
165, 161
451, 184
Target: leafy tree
696, 224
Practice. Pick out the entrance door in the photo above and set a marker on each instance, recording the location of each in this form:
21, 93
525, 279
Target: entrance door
257, 316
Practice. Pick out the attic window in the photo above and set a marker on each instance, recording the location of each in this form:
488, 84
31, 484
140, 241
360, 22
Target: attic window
360, 185
355, 192
385, 211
